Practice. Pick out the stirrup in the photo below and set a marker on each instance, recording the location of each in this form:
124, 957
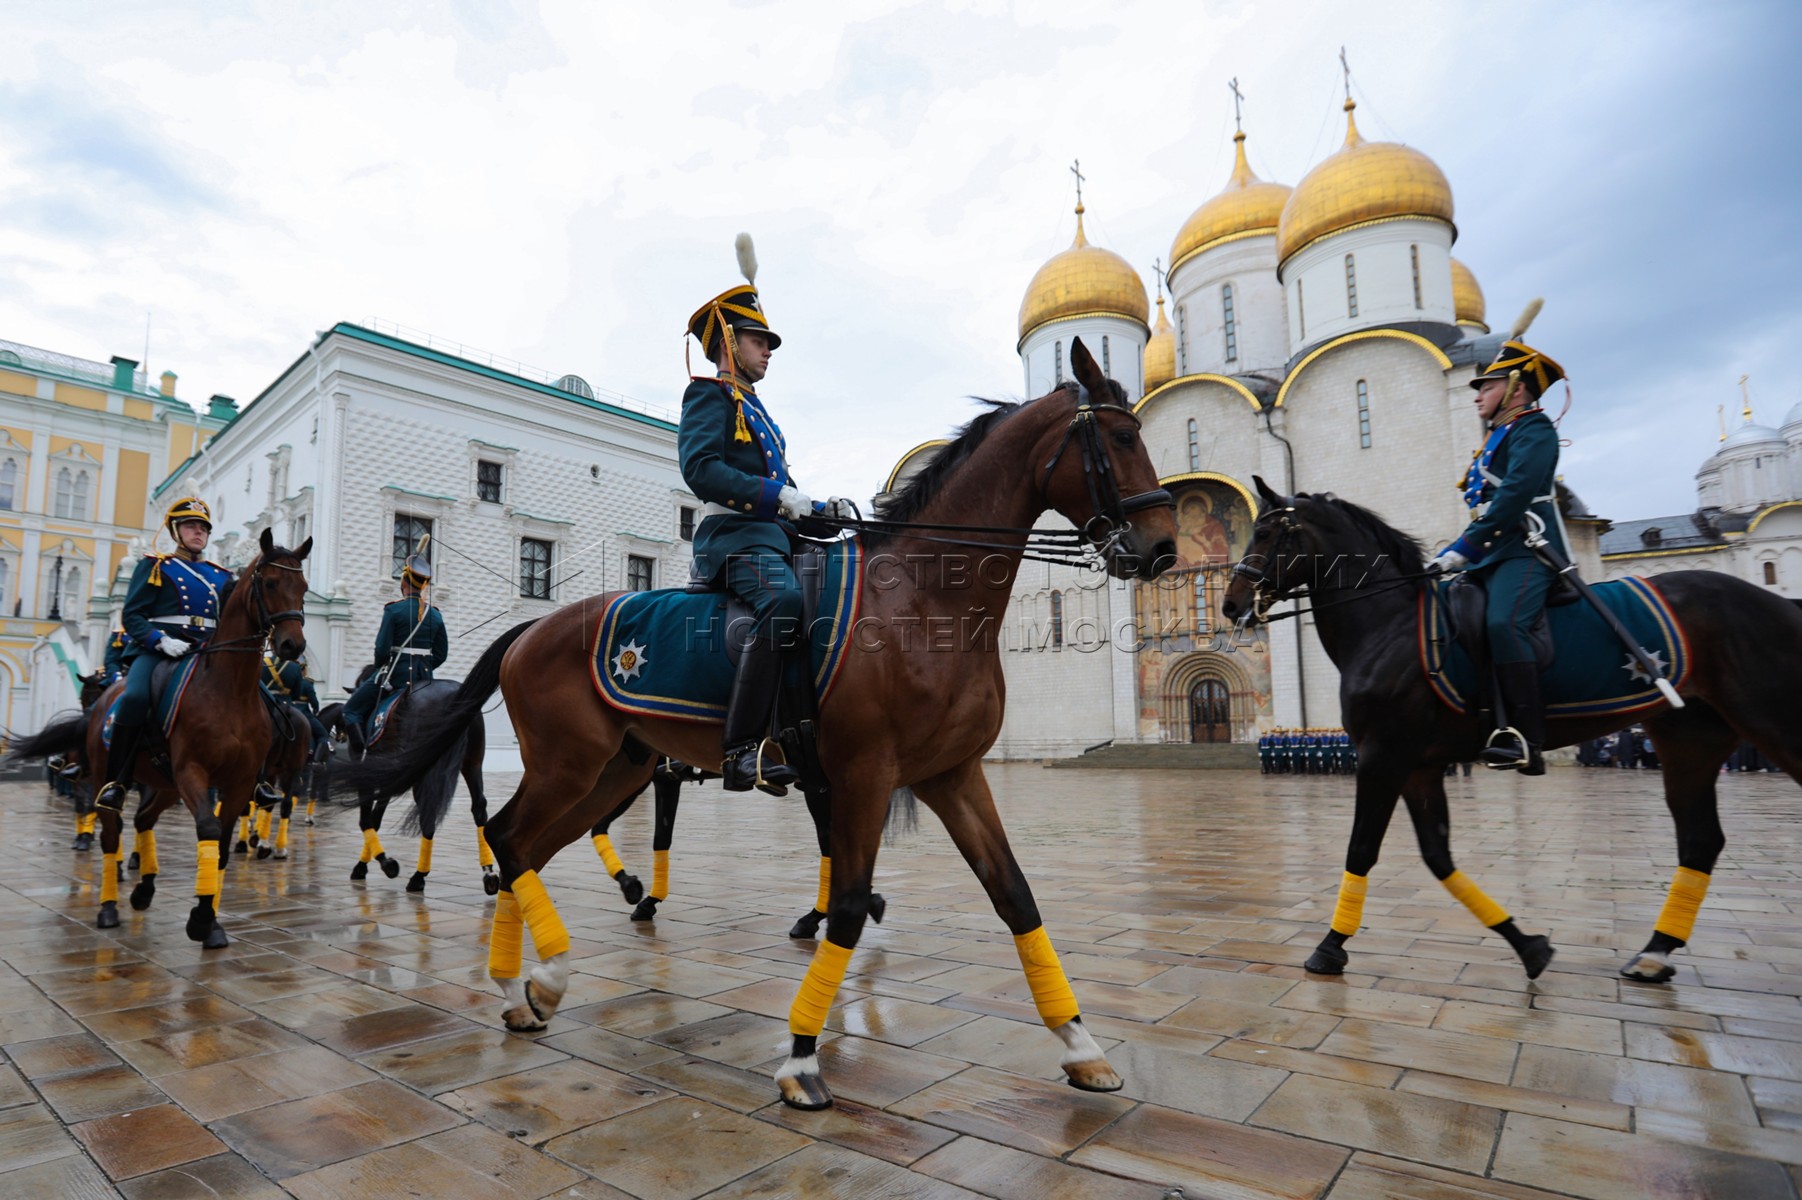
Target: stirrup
111, 797
768, 786
1502, 758
69, 770
268, 794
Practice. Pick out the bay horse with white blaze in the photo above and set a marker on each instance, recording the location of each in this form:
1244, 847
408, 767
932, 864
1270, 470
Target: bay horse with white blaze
904, 714
1744, 682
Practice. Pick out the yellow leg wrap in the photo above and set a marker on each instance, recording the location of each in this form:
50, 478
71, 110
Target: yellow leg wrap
206, 869
1472, 897
1051, 993
660, 874
109, 878
1350, 912
548, 934
425, 855
603, 846
1678, 916
376, 849
146, 848
484, 855
369, 850
281, 835
807, 1015
820, 901
263, 824
85, 823
506, 940
244, 828
311, 805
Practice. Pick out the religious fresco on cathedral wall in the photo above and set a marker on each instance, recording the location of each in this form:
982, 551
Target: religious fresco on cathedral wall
1198, 678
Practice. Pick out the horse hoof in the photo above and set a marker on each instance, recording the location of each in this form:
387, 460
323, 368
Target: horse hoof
200, 924
877, 907
539, 999
1094, 1076
1648, 968
1327, 960
109, 916
240, 847
390, 868
417, 883
83, 841
521, 1019
281, 856
309, 820
359, 872
265, 850
143, 894
646, 910
491, 883
631, 887
1536, 955
808, 926
806, 1092
215, 938
131, 864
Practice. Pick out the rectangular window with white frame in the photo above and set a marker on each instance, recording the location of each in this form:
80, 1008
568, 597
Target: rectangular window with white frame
640, 573
408, 530
685, 523
534, 569
488, 481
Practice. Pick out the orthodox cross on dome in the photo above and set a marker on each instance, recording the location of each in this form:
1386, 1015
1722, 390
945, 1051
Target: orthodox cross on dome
1157, 271
1745, 396
1076, 170
1345, 65
1238, 97
1720, 416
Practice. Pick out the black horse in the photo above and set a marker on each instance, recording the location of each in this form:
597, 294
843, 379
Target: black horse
421, 709
1362, 579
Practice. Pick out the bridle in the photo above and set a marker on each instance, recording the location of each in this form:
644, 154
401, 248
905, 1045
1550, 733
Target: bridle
1267, 592
266, 620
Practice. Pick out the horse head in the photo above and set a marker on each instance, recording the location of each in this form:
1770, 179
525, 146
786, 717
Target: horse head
1100, 476
1314, 541
273, 591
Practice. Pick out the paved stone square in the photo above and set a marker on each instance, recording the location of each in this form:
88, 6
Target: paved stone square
348, 1044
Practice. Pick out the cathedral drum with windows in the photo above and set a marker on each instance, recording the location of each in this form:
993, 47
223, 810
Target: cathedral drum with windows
1320, 336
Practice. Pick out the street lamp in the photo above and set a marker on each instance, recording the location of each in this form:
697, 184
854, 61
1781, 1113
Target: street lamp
56, 590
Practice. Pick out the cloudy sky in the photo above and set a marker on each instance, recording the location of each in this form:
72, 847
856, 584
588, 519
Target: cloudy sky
559, 182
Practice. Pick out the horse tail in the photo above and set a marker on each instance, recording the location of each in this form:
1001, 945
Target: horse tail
391, 773
437, 788
66, 734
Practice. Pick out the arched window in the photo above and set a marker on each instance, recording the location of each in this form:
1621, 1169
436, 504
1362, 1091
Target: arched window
1057, 620
9, 483
1301, 311
1770, 573
1201, 602
1182, 339
72, 594
1229, 322
1414, 259
1194, 445
64, 503
1060, 362
81, 495
1363, 414
1107, 363
1351, 287
6, 570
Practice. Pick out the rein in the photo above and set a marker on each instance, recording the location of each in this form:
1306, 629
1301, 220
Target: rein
1070, 547
1265, 591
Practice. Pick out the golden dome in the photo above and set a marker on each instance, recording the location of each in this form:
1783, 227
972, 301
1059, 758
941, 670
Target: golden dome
1083, 281
1467, 298
1365, 181
1247, 206
1160, 352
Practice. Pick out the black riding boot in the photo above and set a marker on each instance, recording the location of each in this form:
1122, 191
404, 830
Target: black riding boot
1517, 746
119, 758
748, 713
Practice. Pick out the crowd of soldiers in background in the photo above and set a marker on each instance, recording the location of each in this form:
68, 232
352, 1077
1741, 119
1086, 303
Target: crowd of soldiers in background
1307, 752
1628, 748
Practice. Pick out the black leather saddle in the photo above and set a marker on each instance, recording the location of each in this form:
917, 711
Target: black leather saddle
809, 562
1466, 609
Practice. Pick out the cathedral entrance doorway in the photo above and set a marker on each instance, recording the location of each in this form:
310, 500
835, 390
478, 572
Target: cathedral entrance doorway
1210, 711
1208, 699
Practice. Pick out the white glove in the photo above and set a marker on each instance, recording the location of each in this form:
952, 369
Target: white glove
1449, 561
793, 503
174, 647
839, 509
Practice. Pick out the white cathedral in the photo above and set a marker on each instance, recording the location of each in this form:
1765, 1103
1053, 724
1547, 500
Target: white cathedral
1324, 338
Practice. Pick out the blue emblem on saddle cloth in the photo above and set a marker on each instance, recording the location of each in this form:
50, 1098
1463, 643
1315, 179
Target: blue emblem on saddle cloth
378, 720
1591, 673
663, 653
166, 691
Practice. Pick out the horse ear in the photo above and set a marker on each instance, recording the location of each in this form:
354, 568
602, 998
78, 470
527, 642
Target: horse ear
1087, 370
1270, 496
306, 548
267, 541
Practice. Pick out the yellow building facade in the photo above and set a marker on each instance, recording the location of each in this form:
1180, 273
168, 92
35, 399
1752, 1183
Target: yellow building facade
81, 445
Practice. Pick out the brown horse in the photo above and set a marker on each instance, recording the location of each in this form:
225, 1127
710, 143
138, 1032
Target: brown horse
221, 737
906, 713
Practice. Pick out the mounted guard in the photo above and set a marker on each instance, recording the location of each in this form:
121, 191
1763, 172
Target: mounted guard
171, 606
735, 459
409, 646
1513, 475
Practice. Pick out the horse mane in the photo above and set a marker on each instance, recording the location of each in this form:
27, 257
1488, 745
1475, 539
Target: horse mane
913, 498
1400, 548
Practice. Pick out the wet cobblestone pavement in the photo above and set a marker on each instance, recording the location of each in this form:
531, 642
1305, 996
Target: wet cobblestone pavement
348, 1043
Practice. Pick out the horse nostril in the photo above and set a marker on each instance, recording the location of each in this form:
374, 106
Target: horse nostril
1229, 609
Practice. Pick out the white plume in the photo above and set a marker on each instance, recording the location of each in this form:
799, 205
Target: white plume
747, 258
1526, 317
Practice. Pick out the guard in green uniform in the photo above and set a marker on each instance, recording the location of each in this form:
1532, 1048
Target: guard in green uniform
409, 646
1512, 480
171, 606
734, 458
288, 681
